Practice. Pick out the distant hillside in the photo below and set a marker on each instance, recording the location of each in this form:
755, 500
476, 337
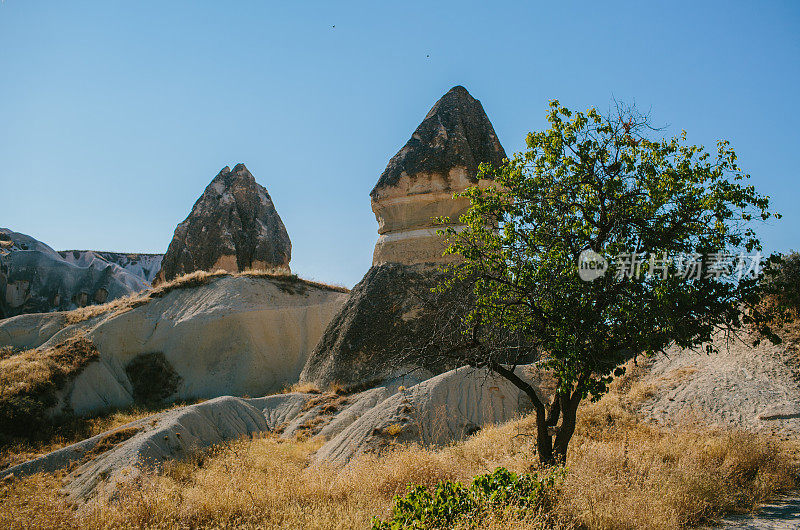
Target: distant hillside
145, 266
34, 278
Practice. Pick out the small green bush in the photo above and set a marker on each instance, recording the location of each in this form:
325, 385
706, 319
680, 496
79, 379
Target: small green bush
449, 503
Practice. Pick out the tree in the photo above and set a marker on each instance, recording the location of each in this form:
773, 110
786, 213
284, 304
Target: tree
665, 225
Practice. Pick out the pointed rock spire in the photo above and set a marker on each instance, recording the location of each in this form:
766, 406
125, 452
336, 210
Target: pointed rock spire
441, 158
456, 133
233, 226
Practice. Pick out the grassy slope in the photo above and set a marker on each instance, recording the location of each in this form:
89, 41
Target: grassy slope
623, 473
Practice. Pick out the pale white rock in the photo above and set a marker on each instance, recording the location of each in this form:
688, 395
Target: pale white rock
235, 335
442, 409
743, 386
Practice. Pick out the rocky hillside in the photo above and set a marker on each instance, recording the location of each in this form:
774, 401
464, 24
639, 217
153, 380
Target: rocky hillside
34, 278
145, 266
201, 336
751, 388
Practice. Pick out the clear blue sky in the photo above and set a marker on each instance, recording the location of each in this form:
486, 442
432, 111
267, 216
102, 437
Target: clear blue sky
116, 115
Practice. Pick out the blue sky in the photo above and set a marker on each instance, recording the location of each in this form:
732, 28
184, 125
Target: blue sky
116, 115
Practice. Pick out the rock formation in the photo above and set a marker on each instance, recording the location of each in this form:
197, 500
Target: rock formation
392, 311
434, 412
389, 314
145, 266
242, 335
440, 159
233, 226
34, 278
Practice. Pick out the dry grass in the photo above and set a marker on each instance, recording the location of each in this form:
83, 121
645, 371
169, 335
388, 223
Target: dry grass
186, 281
31, 370
29, 381
622, 473
303, 388
118, 305
71, 430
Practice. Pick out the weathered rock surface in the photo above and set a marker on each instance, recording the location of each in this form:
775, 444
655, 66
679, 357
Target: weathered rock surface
390, 315
34, 278
233, 226
235, 335
144, 266
744, 387
442, 409
166, 436
440, 159
437, 411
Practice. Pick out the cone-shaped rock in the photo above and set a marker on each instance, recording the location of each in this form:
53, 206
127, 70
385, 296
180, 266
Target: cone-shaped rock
233, 226
392, 314
441, 158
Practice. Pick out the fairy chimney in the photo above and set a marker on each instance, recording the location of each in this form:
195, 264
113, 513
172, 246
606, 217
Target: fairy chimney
440, 159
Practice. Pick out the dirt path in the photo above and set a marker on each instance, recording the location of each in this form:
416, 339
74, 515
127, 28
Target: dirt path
783, 514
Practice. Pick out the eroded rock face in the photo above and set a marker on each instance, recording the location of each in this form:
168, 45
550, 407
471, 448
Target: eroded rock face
145, 266
391, 314
434, 412
34, 278
233, 226
234, 335
390, 321
440, 159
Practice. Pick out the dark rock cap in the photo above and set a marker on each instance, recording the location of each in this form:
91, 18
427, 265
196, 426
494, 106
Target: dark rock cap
233, 220
455, 133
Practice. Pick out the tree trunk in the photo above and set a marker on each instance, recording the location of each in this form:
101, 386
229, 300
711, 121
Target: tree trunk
544, 442
569, 412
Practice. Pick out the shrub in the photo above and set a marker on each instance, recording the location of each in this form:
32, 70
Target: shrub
449, 503
152, 377
783, 280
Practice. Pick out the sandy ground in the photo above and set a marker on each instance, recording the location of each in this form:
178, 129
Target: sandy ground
754, 388
784, 514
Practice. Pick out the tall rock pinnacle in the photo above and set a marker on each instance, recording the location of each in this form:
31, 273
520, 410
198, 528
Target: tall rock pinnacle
394, 311
440, 159
233, 226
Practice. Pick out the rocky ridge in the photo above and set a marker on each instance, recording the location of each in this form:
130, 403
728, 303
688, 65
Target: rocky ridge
34, 278
143, 265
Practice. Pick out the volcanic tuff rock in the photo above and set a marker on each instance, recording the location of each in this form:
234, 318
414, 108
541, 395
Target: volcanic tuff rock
434, 412
145, 266
440, 159
34, 278
232, 335
233, 226
392, 314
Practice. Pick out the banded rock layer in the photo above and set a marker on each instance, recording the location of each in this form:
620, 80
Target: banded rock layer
417, 186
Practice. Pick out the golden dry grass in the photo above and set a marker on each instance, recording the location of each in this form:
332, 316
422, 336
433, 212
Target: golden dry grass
30, 371
622, 473
118, 305
193, 279
305, 388
71, 430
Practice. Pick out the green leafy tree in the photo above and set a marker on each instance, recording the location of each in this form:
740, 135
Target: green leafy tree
671, 220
